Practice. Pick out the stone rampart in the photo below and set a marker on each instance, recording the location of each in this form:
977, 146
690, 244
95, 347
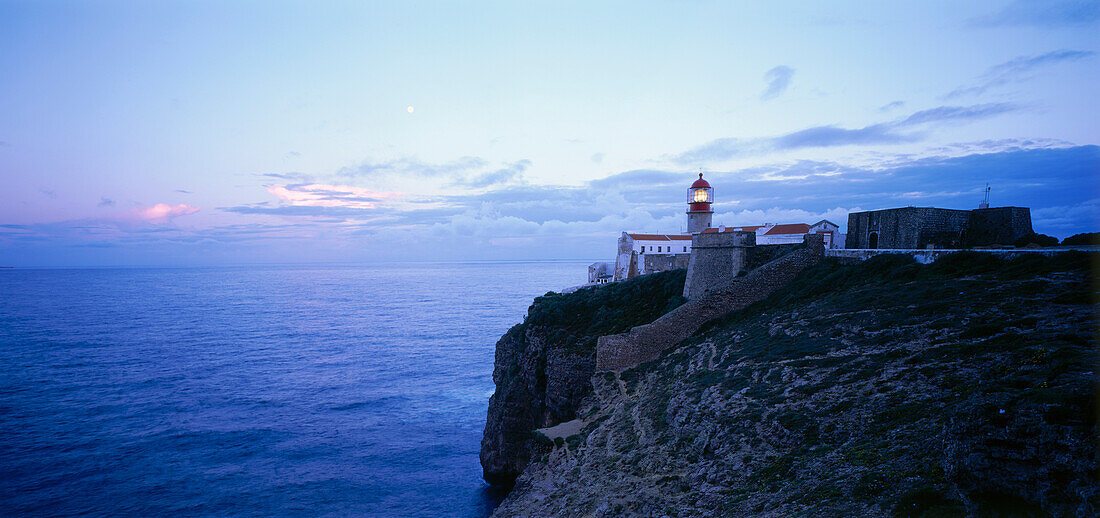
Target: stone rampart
930, 256
646, 342
716, 260
653, 263
760, 255
998, 225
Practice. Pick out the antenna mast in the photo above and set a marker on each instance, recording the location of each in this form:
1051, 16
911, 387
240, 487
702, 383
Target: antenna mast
985, 202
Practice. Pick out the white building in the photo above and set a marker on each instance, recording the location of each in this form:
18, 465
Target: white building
660, 243
790, 233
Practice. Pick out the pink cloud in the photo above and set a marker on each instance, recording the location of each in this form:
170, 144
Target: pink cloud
162, 212
325, 195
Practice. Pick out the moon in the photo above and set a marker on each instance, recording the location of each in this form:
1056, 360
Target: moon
410, 108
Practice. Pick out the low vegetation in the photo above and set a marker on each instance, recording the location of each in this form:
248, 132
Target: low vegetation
1088, 238
580, 317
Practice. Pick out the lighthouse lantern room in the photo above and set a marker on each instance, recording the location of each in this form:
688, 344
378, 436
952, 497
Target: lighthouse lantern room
700, 196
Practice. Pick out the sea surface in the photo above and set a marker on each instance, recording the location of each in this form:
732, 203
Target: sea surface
254, 391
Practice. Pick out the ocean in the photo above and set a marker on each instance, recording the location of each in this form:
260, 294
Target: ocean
254, 391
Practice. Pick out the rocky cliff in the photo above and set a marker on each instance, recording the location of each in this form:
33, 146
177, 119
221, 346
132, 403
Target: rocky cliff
543, 365
964, 387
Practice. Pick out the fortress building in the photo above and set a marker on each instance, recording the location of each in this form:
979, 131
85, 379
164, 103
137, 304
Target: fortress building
929, 227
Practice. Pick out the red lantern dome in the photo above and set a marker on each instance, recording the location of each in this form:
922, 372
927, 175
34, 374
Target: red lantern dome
700, 196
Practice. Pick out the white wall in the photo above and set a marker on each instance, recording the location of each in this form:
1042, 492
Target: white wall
678, 247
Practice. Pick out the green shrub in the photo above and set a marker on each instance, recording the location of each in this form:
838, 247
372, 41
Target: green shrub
1085, 239
1036, 239
578, 318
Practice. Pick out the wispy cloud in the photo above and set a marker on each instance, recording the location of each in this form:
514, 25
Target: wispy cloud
777, 79
890, 106
412, 166
105, 202
1043, 13
292, 176
325, 195
510, 173
331, 213
828, 136
907, 129
957, 113
1017, 70
161, 212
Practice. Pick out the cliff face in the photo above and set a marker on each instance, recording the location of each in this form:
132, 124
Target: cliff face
538, 384
543, 365
965, 387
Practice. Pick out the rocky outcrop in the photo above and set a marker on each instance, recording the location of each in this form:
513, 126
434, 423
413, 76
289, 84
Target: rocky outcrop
885, 388
543, 365
538, 385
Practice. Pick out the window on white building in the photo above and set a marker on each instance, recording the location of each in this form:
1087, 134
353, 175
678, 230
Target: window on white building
685, 249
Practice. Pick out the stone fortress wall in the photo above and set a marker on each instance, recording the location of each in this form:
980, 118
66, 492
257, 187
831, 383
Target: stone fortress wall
646, 342
930, 256
664, 262
928, 227
716, 259
998, 225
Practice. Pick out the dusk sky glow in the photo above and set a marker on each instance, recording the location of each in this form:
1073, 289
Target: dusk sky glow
193, 133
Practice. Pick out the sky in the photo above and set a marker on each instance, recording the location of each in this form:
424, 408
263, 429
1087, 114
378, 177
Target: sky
206, 132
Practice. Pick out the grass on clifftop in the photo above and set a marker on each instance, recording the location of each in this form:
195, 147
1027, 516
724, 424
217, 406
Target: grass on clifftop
580, 317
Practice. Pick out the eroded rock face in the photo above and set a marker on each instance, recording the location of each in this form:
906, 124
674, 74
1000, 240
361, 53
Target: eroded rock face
539, 384
543, 366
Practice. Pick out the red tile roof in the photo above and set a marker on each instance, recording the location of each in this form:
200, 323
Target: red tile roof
661, 237
775, 230
793, 228
713, 230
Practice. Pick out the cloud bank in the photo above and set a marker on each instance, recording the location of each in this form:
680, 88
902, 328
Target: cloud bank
340, 222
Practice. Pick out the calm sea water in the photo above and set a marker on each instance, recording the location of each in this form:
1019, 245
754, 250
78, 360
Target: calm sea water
262, 391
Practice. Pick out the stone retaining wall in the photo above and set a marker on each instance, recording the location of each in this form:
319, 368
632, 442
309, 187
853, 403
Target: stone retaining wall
646, 342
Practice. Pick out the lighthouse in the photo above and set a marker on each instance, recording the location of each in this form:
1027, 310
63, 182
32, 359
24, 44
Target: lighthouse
699, 198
